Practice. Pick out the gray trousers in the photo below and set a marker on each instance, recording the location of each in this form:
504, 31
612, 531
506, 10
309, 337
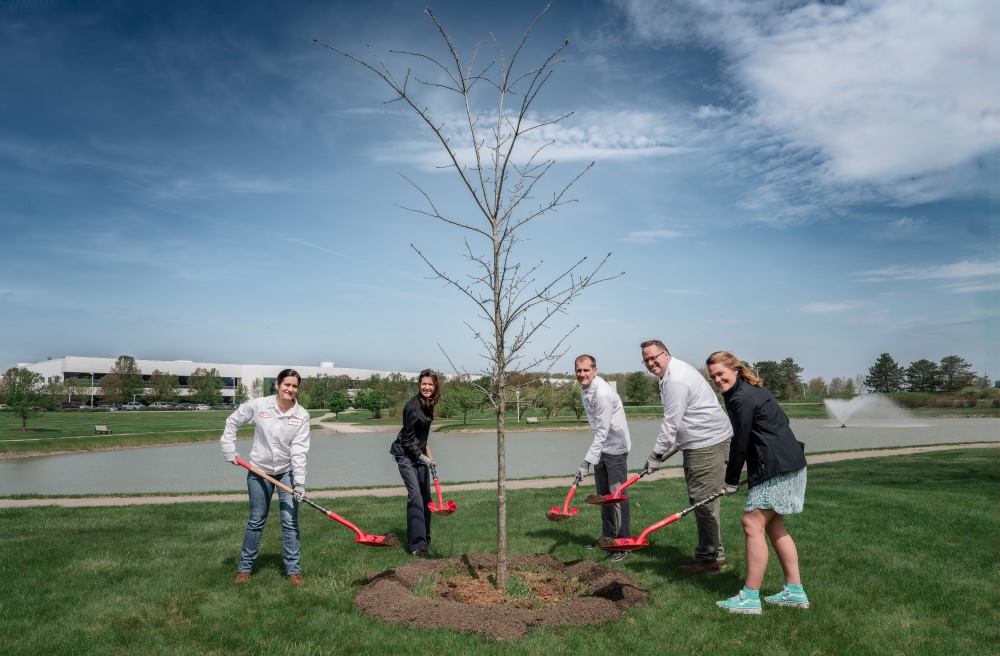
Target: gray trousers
609, 474
705, 471
417, 480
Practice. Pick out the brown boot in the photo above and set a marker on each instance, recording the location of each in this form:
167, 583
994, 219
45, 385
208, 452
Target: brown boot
296, 579
241, 578
703, 566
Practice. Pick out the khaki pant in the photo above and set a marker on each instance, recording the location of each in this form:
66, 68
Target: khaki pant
704, 472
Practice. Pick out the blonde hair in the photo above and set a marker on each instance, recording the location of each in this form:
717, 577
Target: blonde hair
730, 361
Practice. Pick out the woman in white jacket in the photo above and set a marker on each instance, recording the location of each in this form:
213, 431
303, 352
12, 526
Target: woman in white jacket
280, 446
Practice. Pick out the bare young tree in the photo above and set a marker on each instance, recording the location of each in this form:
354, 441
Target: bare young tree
488, 144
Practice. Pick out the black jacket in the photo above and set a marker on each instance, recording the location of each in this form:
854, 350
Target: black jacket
762, 437
413, 436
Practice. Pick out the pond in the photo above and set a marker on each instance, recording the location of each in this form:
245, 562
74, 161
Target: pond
358, 460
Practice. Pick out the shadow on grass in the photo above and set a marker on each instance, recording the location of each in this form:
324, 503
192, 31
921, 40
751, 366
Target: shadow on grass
265, 562
558, 537
664, 561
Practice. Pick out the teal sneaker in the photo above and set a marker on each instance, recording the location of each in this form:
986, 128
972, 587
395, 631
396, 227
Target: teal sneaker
795, 599
742, 603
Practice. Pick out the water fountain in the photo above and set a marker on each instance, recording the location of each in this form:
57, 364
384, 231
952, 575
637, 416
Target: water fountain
869, 410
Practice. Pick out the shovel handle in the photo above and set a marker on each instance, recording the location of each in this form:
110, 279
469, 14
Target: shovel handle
569, 495
271, 479
667, 521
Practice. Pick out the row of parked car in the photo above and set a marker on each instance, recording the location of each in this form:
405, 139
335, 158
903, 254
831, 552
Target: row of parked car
156, 405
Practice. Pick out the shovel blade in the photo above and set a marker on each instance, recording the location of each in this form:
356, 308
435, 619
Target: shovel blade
622, 544
605, 499
370, 540
443, 508
556, 513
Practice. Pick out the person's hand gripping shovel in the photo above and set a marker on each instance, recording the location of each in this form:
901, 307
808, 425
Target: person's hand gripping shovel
360, 536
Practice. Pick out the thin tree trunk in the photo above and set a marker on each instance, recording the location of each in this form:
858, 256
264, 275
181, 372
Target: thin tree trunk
501, 573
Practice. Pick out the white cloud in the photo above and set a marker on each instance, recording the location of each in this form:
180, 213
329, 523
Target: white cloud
708, 112
586, 136
651, 236
957, 270
830, 308
973, 288
894, 94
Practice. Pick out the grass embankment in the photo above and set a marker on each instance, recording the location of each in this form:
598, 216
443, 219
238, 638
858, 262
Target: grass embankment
898, 556
74, 431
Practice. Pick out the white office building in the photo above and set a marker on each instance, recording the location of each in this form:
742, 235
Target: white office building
93, 369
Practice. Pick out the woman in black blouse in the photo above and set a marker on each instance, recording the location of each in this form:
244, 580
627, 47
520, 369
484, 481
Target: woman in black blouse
776, 478
413, 457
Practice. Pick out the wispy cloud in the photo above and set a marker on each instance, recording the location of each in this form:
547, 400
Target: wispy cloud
956, 270
831, 307
887, 98
595, 135
972, 288
651, 236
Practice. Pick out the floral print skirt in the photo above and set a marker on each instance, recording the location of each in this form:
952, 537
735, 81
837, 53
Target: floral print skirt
785, 494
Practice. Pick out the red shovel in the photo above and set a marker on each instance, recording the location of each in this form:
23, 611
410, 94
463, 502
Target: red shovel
631, 544
440, 507
618, 496
360, 536
557, 514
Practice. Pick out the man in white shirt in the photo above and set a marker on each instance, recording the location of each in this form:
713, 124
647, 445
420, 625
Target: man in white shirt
608, 452
695, 423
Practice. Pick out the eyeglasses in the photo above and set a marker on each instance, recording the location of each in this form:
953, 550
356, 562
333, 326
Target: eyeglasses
651, 359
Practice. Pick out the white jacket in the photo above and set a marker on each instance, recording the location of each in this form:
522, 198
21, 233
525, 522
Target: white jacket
607, 421
280, 440
692, 415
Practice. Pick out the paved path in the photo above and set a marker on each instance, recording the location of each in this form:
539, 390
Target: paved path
520, 484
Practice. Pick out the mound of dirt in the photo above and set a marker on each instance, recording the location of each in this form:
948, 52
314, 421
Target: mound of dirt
457, 593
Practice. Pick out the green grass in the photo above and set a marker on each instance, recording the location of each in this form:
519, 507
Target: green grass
899, 556
74, 431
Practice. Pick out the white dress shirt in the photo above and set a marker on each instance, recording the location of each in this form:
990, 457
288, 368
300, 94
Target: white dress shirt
607, 420
280, 439
692, 415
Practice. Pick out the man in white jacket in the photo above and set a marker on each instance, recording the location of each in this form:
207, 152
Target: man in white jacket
608, 452
695, 423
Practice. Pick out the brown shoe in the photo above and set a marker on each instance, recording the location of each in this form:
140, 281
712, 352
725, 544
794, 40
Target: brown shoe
296, 579
241, 578
703, 566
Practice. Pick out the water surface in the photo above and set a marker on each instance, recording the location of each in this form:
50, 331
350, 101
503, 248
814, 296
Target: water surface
363, 459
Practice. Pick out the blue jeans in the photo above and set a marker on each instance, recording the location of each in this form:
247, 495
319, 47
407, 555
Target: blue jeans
288, 509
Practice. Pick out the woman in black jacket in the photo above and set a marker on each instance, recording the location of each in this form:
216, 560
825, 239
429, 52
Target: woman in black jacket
776, 477
413, 457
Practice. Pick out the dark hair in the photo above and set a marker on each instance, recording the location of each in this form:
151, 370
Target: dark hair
593, 360
429, 373
655, 342
285, 373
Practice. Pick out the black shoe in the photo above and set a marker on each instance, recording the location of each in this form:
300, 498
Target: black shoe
419, 553
596, 544
618, 556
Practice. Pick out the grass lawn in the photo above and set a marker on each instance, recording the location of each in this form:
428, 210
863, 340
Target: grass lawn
899, 556
74, 431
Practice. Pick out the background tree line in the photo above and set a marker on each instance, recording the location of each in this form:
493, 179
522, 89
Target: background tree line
951, 375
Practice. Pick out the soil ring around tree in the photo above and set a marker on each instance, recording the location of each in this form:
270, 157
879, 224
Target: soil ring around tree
456, 593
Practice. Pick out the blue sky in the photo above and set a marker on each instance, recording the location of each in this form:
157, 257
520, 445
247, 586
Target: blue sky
201, 181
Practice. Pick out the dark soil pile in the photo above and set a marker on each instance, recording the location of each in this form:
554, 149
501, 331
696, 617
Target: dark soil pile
461, 594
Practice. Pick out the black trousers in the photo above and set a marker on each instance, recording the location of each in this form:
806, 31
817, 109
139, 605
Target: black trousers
610, 472
417, 479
